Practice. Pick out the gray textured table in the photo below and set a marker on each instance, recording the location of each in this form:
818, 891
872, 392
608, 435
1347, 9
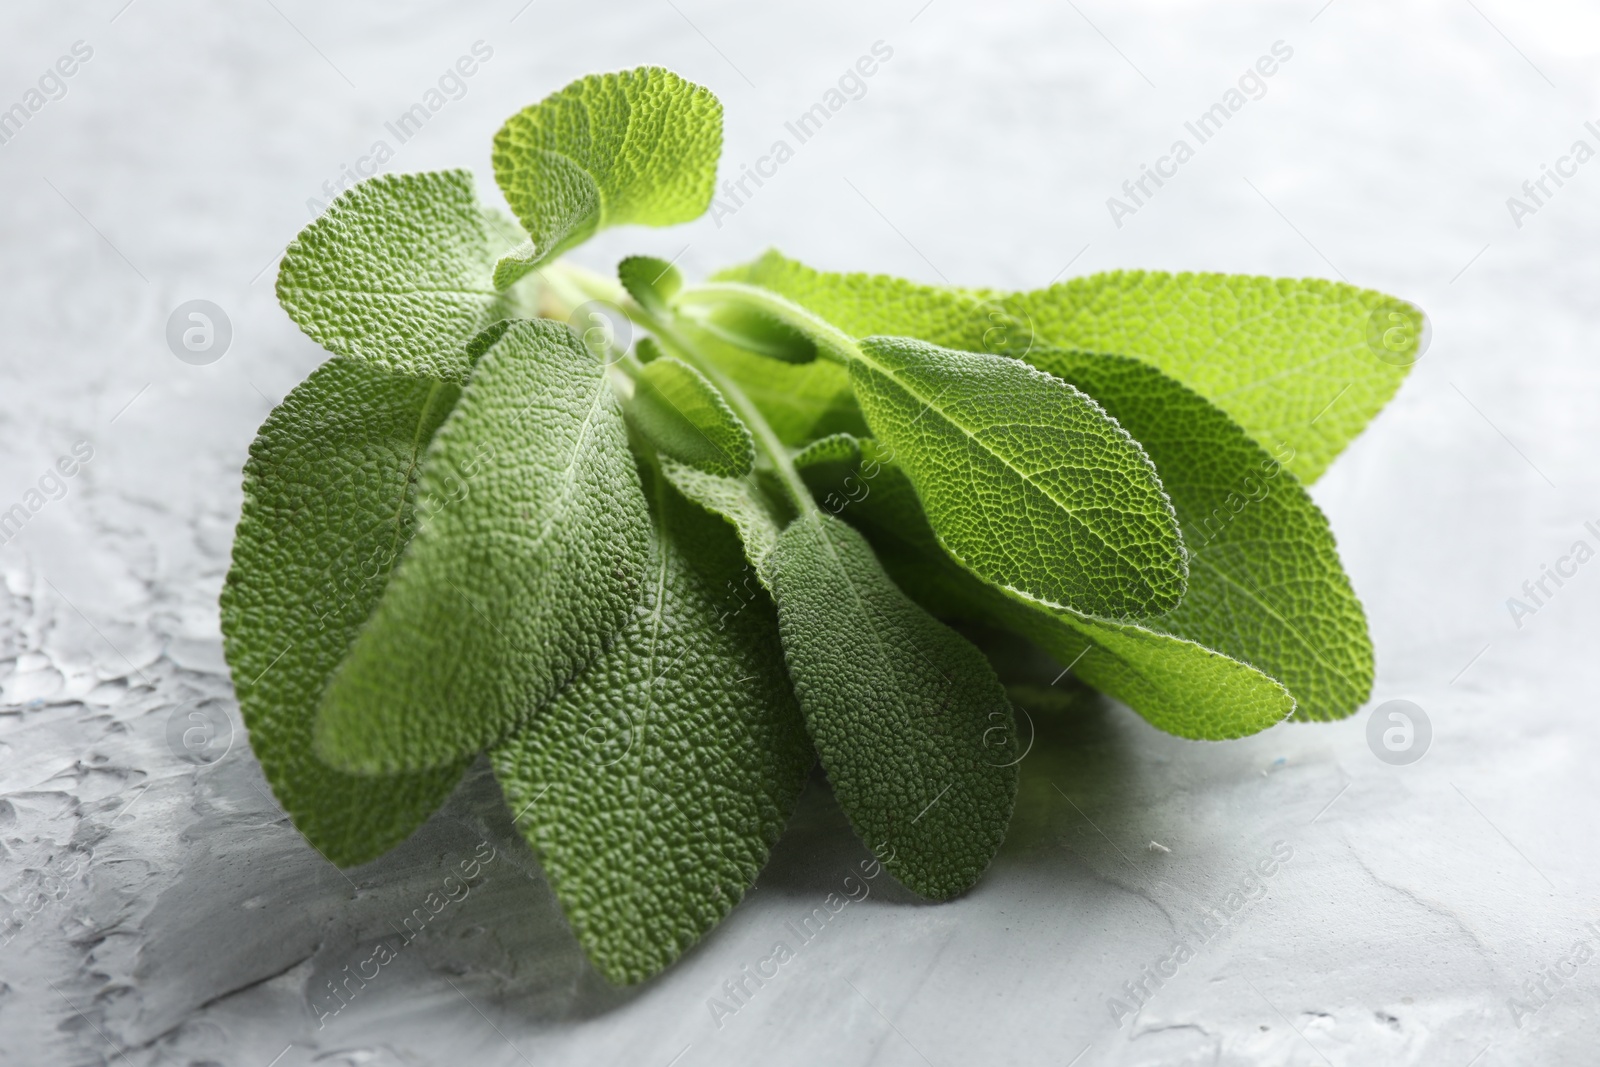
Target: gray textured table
163, 912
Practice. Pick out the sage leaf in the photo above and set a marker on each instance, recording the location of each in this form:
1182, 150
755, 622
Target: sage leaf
1178, 685
637, 146
1024, 478
1296, 362
756, 510
650, 281
530, 556
907, 717
398, 272
1265, 583
655, 784
330, 503
685, 417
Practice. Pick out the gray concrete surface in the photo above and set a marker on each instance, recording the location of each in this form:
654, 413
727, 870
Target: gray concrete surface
162, 912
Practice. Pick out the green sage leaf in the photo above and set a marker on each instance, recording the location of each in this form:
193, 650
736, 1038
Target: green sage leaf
399, 272
654, 786
908, 718
637, 146
1024, 478
330, 503
531, 555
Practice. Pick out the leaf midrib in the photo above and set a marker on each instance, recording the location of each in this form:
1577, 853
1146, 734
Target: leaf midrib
569, 480
969, 435
657, 615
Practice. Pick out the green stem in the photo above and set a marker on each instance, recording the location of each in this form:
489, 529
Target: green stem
624, 370
766, 440
669, 333
561, 292
572, 279
831, 341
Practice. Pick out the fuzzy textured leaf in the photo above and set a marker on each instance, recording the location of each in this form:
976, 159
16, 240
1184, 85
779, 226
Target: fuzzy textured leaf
835, 448
908, 718
655, 784
1023, 477
1178, 685
858, 481
398, 272
685, 417
531, 557
1265, 583
756, 511
638, 146
1302, 363
329, 505
1293, 361
650, 281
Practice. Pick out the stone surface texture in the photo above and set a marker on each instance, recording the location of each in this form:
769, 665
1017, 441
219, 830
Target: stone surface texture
156, 911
